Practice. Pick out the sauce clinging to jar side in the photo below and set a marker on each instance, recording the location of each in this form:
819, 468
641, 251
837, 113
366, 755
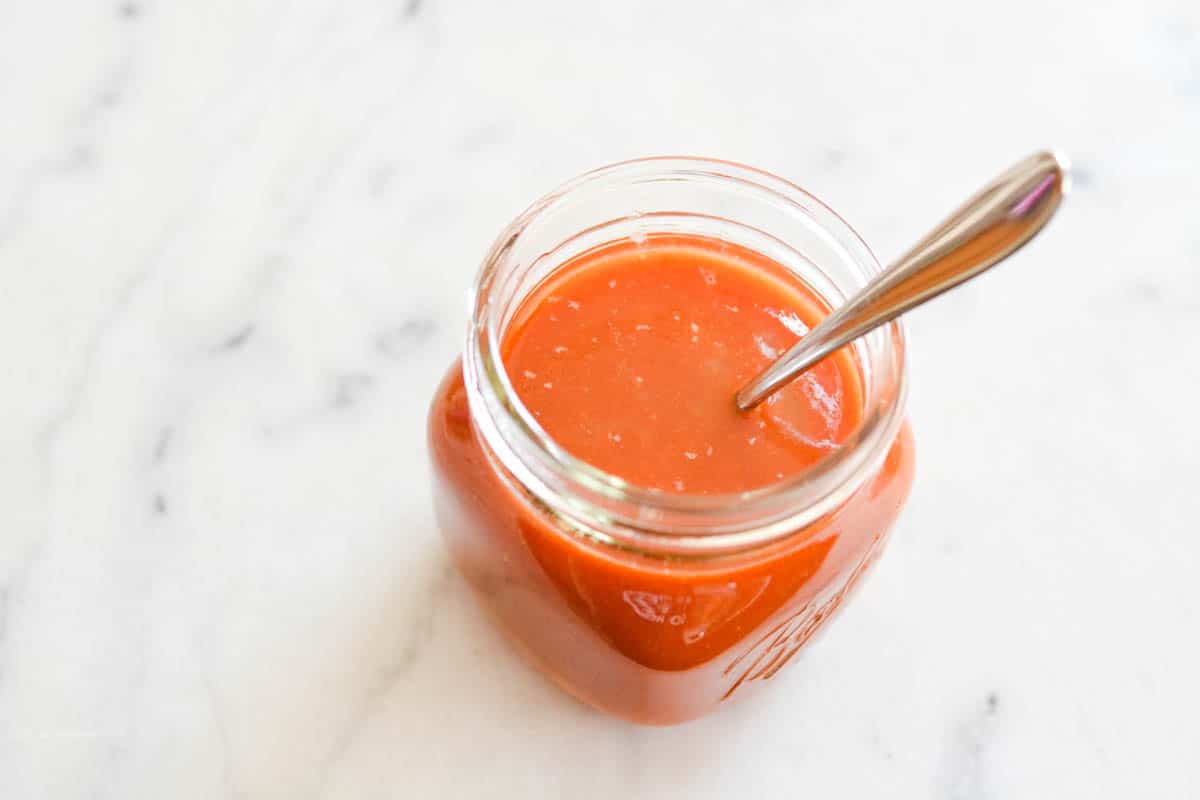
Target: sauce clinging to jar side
629, 357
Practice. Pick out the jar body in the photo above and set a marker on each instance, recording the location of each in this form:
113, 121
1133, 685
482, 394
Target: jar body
653, 639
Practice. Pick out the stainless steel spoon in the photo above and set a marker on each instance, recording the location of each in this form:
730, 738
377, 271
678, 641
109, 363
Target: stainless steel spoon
985, 230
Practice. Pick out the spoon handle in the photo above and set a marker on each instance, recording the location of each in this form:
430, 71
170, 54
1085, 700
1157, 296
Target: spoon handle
985, 230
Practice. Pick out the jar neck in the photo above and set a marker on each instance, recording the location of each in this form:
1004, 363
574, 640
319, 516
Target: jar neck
634, 199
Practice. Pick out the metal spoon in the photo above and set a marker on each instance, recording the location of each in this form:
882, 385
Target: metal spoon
985, 230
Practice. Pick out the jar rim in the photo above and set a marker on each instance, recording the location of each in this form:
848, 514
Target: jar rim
605, 506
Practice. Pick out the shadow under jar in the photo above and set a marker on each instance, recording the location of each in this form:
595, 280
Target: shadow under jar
658, 602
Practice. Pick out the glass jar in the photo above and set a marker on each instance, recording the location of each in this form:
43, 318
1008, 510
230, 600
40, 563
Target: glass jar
659, 607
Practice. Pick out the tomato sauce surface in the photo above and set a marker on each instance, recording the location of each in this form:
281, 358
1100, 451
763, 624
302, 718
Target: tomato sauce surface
630, 356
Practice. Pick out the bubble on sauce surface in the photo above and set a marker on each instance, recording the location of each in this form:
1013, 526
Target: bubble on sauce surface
788, 319
764, 347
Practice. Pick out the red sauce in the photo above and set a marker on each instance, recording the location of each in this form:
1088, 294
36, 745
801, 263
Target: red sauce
629, 357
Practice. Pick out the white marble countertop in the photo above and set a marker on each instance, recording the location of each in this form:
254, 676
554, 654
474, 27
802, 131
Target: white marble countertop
235, 240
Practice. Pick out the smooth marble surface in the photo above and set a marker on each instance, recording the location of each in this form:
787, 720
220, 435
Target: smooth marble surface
235, 242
